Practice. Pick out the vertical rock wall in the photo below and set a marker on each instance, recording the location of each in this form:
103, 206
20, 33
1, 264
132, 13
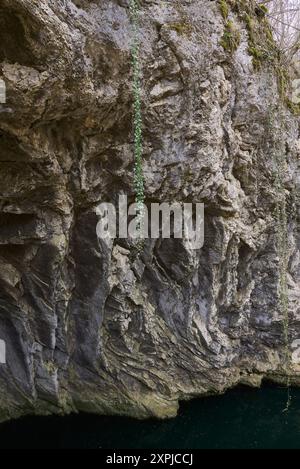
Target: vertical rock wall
97, 328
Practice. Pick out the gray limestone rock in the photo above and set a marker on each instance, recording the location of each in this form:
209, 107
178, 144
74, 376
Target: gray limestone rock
98, 328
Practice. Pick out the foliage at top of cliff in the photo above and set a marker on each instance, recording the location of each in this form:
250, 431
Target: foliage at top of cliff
261, 43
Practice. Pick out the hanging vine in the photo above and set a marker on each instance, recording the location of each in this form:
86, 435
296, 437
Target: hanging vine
283, 253
282, 244
137, 119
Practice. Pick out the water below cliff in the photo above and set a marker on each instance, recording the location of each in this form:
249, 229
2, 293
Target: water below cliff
242, 418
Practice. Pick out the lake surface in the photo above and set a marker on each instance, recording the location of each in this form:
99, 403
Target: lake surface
242, 418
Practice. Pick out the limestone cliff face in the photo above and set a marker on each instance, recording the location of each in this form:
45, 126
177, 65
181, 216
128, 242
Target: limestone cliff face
103, 329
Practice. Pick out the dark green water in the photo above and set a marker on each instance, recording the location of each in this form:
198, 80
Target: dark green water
242, 418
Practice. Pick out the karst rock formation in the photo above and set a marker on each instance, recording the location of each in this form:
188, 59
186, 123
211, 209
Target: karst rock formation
102, 327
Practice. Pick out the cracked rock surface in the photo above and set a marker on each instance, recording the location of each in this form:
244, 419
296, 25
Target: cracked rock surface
95, 327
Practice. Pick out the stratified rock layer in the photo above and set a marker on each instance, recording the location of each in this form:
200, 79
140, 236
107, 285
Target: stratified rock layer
100, 328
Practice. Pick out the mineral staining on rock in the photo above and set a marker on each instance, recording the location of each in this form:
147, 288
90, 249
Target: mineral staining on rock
97, 328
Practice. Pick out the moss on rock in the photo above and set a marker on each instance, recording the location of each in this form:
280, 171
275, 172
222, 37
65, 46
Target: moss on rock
231, 38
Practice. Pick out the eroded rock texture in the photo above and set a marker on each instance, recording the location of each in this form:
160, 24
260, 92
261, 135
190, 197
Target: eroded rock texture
97, 328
